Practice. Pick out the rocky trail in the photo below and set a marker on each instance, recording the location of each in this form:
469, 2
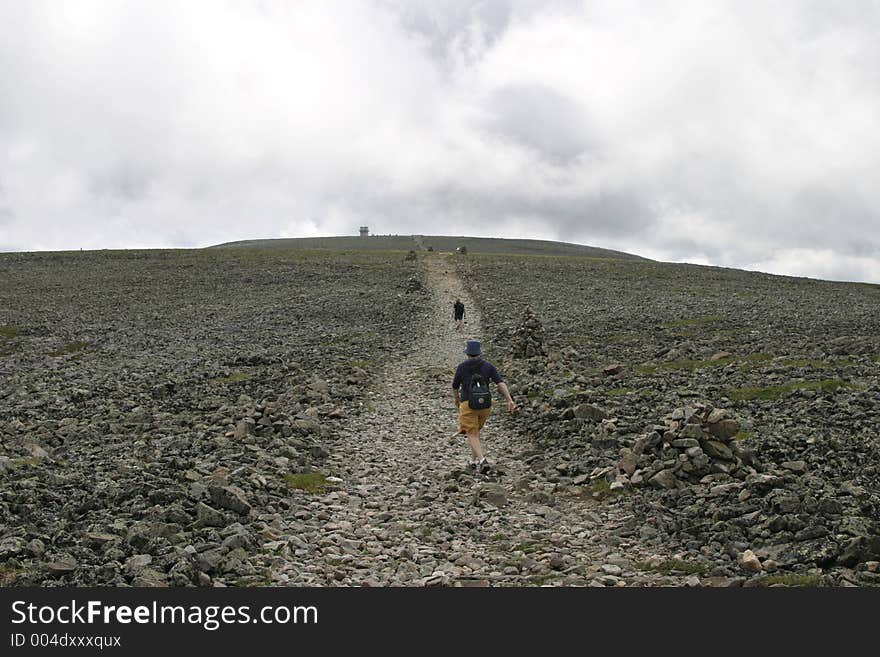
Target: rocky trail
405, 512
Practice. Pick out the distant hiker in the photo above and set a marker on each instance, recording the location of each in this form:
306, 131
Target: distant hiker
471, 385
458, 313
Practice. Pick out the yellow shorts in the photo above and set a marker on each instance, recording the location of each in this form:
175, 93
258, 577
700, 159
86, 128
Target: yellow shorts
471, 420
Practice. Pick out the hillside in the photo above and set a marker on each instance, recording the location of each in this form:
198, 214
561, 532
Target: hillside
241, 417
440, 243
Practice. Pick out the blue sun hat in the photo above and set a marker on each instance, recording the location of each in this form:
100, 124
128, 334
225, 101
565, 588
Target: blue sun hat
473, 348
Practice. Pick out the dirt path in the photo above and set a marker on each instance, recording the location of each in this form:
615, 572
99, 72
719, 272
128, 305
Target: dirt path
407, 513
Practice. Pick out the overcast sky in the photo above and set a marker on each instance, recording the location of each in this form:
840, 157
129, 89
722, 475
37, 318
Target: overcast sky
743, 134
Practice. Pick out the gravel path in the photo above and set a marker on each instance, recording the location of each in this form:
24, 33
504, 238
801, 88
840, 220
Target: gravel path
406, 513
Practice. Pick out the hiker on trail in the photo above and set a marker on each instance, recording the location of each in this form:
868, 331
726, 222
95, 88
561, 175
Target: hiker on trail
458, 313
474, 401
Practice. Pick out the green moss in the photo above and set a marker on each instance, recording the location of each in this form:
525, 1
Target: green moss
234, 378
775, 392
310, 482
674, 567
9, 332
8, 342
617, 392
754, 358
806, 362
743, 435
25, 461
691, 365
363, 364
793, 579
70, 348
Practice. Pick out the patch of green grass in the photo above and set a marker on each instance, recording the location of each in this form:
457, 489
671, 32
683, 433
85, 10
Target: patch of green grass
775, 392
528, 548
754, 358
601, 489
651, 368
234, 378
9, 332
70, 348
8, 342
806, 362
617, 392
25, 461
352, 336
694, 321
743, 435
310, 482
674, 567
601, 486
793, 579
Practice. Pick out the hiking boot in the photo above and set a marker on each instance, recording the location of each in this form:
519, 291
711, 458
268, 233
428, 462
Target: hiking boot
484, 466
472, 467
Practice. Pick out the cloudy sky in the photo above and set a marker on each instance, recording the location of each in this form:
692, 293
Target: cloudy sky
738, 133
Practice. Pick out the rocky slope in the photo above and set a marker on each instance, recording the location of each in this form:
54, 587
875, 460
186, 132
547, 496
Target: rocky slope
155, 407
638, 357
245, 417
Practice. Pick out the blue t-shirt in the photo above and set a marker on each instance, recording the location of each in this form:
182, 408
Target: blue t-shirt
465, 370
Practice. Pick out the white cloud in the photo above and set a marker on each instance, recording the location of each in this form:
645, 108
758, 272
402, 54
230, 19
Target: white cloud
821, 263
724, 132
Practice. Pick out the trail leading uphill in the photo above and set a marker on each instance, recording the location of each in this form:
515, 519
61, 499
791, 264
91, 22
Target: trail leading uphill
406, 513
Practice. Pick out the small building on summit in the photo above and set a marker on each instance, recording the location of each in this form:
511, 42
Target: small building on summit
365, 231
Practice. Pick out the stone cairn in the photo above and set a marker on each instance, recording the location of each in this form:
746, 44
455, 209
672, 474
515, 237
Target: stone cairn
528, 340
694, 444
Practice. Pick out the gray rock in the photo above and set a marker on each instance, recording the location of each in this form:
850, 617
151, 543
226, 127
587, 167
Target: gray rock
717, 450
664, 479
494, 495
590, 412
209, 516
230, 497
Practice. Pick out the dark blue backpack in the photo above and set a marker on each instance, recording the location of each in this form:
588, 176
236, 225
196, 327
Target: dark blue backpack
479, 397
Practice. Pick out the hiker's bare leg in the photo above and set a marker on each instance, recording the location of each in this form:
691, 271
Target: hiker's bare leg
474, 441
